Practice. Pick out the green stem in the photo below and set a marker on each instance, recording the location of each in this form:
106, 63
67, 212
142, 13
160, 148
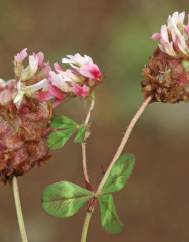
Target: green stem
19, 210
86, 226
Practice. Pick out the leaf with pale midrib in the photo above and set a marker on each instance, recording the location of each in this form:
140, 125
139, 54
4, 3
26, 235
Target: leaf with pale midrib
64, 199
119, 174
109, 218
62, 122
58, 139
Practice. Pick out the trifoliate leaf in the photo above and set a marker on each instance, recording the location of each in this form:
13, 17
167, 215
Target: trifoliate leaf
79, 138
109, 218
64, 199
119, 174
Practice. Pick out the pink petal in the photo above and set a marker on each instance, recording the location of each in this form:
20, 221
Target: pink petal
56, 92
21, 55
91, 71
43, 96
156, 36
57, 67
46, 69
57, 102
81, 91
40, 57
53, 92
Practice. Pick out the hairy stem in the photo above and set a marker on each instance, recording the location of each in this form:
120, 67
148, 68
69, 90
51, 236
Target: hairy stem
83, 145
123, 142
86, 226
19, 210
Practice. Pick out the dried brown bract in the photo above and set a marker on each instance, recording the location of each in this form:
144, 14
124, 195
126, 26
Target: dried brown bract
166, 78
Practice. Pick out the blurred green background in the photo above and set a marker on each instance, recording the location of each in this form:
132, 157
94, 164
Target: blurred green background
155, 204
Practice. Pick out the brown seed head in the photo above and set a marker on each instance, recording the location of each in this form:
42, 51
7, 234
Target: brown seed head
23, 135
166, 78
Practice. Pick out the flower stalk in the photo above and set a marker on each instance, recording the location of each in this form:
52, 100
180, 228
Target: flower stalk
123, 142
86, 225
19, 210
83, 145
115, 158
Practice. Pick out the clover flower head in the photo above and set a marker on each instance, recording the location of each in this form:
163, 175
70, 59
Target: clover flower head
35, 66
78, 80
30, 78
61, 85
174, 36
84, 65
24, 125
38, 81
167, 73
26, 104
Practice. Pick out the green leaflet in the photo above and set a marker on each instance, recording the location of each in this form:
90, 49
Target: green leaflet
62, 122
119, 174
109, 218
64, 199
58, 138
79, 138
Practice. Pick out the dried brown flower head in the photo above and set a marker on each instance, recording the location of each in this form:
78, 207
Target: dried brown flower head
23, 135
166, 78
